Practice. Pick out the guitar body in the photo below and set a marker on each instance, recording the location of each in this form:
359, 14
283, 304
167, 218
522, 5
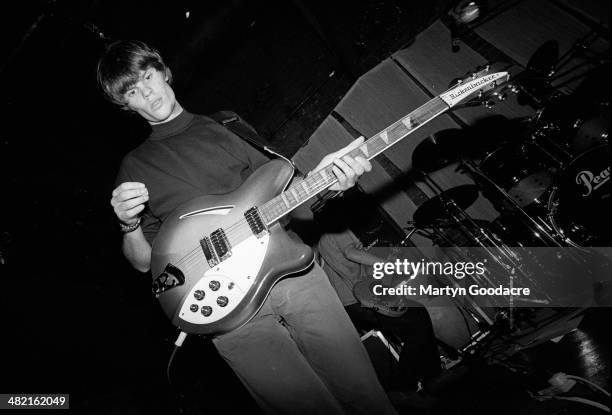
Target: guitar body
217, 299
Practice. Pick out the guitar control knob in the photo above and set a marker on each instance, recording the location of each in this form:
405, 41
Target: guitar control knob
193, 307
199, 295
214, 285
222, 301
206, 311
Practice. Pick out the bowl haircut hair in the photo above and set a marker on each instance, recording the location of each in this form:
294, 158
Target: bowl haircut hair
121, 65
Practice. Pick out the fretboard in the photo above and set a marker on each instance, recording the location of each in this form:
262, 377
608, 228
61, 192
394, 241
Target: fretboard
316, 182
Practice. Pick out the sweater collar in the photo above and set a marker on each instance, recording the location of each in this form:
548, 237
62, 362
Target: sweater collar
172, 127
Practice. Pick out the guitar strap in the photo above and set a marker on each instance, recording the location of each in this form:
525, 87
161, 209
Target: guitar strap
242, 129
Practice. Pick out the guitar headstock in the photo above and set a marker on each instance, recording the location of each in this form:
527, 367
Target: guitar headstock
476, 84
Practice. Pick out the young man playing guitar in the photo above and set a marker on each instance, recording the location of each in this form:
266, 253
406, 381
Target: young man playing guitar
300, 353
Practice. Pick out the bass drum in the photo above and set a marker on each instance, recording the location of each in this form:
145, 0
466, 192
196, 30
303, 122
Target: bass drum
579, 206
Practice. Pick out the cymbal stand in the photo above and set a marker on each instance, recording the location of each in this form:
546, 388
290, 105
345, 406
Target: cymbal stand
482, 236
538, 228
536, 135
581, 46
498, 252
506, 258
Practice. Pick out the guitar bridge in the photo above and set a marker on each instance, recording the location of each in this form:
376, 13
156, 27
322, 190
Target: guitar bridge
209, 251
171, 277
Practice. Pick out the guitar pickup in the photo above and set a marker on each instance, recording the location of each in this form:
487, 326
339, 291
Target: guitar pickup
171, 277
209, 251
220, 244
255, 222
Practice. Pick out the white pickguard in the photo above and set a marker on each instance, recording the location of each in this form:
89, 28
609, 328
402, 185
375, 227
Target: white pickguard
235, 275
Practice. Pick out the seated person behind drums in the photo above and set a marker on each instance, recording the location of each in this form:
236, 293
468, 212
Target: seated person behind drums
346, 263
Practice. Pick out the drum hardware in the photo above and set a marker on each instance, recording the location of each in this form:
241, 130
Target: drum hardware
438, 214
592, 130
525, 194
406, 240
549, 140
540, 230
460, 197
568, 127
503, 256
545, 66
536, 196
582, 49
523, 177
452, 204
537, 229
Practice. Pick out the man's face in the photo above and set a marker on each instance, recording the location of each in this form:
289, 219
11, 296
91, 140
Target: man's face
152, 97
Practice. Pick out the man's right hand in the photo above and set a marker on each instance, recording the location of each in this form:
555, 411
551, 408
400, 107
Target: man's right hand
129, 200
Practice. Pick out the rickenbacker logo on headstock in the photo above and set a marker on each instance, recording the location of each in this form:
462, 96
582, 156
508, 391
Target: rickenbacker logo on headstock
591, 181
459, 93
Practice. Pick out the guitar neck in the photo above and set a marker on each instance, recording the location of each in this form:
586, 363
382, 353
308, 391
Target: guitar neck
318, 181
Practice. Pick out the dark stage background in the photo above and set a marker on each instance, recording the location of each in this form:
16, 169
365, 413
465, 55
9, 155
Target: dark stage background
75, 317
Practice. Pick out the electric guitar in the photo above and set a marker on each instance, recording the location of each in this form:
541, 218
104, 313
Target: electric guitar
216, 258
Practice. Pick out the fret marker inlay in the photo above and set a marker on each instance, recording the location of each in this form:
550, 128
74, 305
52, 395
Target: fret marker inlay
384, 137
407, 123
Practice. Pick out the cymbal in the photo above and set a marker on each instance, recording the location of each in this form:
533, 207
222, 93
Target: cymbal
439, 149
438, 207
544, 59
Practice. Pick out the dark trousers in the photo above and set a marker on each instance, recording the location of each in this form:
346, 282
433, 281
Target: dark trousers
419, 358
302, 355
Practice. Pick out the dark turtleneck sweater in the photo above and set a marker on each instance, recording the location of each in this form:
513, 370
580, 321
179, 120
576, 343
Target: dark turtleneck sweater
184, 158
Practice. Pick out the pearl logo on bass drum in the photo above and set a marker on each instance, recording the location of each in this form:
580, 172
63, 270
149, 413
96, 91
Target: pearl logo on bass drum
592, 182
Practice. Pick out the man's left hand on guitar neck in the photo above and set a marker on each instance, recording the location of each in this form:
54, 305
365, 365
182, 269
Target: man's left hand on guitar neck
346, 168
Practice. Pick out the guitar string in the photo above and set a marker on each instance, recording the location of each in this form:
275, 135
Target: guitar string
238, 231
241, 231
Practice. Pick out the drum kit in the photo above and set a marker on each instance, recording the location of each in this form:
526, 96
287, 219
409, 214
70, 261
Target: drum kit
550, 183
547, 176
